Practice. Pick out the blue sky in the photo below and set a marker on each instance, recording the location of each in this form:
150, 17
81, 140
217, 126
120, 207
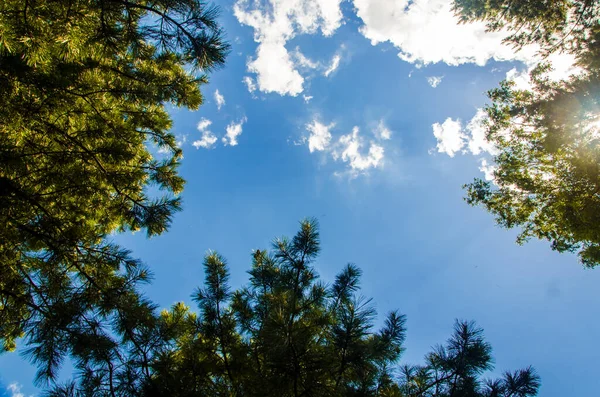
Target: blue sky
344, 124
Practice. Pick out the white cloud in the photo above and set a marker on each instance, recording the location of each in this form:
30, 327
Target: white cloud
382, 132
335, 63
319, 137
203, 124
450, 137
434, 81
307, 98
349, 150
303, 61
207, 141
426, 31
563, 66
275, 22
249, 81
275, 70
352, 149
233, 131
15, 390
487, 169
477, 141
219, 99
208, 138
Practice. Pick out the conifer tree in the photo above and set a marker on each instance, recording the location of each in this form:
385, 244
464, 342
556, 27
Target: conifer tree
84, 89
284, 334
455, 369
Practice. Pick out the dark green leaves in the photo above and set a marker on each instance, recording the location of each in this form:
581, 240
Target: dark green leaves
283, 334
286, 334
455, 370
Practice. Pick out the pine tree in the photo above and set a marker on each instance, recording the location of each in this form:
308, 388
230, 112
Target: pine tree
84, 89
284, 334
455, 370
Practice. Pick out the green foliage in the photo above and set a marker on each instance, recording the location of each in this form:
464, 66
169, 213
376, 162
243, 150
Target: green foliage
284, 334
547, 178
84, 88
548, 174
455, 370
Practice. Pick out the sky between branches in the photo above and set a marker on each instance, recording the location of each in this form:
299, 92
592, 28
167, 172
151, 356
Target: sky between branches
366, 114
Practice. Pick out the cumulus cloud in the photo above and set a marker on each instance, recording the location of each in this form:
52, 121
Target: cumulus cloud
275, 70
450, 136
563, 66
203, 124
477, 142
320, 137
349, 150
219, 99
233, 131
434, 81
277, 22
307, 98
335, 63
208, 139
359, 154
426, 31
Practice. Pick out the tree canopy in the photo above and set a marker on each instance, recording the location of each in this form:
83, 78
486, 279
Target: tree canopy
85, 85
284, 334
547, 180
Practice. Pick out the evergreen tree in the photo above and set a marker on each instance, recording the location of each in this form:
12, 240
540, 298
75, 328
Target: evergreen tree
284, 334
548, 167
455, 370
84, 89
